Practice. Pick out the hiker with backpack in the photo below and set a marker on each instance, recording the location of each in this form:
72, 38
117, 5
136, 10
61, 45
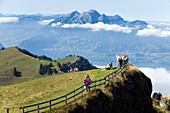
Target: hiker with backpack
87, 82
120, 62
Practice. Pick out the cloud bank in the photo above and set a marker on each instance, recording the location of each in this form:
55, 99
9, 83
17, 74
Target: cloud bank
152, 31
9, 19
98, 26
160, 78
45, 22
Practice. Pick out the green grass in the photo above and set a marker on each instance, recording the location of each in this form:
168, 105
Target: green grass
28, 66
43, 89
71, 59
12, 57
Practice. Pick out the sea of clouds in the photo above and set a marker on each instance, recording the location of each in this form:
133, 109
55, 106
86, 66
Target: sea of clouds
153, 31
96, 27
150, 30
160, 78
100, 26
45, 22
8, 19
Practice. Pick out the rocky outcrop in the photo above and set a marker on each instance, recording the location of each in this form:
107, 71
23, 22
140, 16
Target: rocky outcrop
129, 92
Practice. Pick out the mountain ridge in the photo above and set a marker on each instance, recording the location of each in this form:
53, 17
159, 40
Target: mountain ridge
92, 16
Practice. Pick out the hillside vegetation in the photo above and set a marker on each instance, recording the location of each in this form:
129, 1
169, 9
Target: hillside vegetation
27, 65
39, 90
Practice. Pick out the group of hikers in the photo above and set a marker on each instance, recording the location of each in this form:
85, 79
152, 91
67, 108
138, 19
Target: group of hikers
120, 62
73, 69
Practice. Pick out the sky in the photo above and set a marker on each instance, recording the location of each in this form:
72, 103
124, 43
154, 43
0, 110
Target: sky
148, 10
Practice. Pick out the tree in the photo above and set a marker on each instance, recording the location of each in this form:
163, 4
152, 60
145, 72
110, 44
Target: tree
59, 65
16, 73
46, 69
51, 65
49, 70
40, 70
157, 96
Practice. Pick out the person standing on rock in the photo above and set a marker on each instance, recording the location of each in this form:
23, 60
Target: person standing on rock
117, 58
120, 62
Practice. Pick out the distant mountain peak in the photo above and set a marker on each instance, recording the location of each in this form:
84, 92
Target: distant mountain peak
93, 11
75, 12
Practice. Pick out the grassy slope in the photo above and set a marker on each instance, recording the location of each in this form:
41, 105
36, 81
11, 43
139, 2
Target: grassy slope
118, 96
43, 89
68, 59
28, 66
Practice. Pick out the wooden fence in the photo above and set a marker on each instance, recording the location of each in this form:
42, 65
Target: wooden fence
68, 96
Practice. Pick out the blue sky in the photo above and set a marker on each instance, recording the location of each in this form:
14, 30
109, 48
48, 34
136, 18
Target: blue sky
148, 10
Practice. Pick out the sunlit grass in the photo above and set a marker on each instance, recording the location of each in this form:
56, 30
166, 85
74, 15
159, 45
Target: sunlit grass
43, 89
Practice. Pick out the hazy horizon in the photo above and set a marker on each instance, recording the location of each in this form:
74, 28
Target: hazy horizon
152, 10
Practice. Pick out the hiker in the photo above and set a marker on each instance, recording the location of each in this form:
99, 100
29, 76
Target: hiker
74, 70
77, 69
109, 66
117, 57
71, 70
127, 59
120, 62
87, 81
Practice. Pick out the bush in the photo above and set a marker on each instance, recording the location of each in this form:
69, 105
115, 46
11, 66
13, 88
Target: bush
157, 96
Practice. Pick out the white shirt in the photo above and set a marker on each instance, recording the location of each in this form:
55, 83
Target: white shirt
117, 57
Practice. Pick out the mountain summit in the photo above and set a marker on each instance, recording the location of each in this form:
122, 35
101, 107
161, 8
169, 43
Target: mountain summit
92, 16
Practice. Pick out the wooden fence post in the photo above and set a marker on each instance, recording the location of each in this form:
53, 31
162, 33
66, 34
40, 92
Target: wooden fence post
82, 90
95, 84
50, 104
23, 109
38, 107
105, 82
7, 110
74, 94
66, 98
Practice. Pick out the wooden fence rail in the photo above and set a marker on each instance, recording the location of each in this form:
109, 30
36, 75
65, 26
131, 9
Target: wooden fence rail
65, 98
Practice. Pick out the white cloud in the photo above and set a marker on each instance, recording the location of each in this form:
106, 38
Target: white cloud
160, 23
98, 26
100, 66
8, 19
56, 24
160, 78
45, 22
152, 31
